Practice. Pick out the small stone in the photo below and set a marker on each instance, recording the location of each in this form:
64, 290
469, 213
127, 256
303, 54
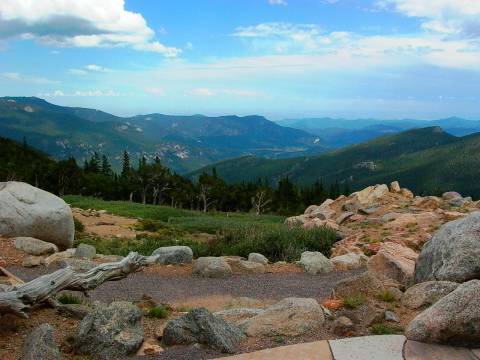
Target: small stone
315, 263
212, 267
391, 316
34, 246
258, 258
85, 251
395, 187
343, 326
174, 255
32, 261
149, 348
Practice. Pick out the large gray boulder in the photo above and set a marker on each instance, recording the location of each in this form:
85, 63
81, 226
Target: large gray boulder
34, 246
425, 294
212, 267
201, 326
453, 254
454, 319
174, 255
40, 344
110, 331
314, 262
28, 211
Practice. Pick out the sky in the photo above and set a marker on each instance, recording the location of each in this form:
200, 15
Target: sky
388, 59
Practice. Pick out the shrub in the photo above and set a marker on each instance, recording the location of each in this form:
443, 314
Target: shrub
386, 296
79, 227
354, 301
276, 241
158, 312
67, 298
384, 329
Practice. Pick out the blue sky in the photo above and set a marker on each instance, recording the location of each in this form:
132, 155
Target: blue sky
278, 58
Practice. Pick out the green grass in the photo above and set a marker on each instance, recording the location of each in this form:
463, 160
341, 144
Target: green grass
386, 296
67, 298
354, 301
158, 312
230, 234
384, 329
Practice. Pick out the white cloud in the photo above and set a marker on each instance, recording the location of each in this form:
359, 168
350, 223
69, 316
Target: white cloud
452, 17
85, 23
155, 91
15, 76
277, 2
91, 68
200, 92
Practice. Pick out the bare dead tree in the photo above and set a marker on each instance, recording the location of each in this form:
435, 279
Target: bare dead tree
158, 192
20, 299
260, 201
205, 197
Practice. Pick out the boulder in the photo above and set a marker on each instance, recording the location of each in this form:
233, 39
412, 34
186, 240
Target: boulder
238, 314
344, 216
427, 293
428, 202
350, 261
288, 317
453, 254
201, 326
212, 267
110, 331
28, 211
295, 221
315, 262
395, 187
371, 195
454, 319
34, 246
450, 195
391, 316
317, 223
365, 283
148, 348
257, 258
406, 193
393, 261
174, 255
40, 344
85, 251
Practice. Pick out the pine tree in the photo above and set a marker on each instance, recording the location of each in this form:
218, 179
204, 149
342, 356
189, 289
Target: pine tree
106, 167
126, 168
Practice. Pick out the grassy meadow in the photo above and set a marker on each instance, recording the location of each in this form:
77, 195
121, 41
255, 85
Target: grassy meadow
211, 234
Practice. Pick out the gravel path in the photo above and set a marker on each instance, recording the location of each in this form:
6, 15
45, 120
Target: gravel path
180, 287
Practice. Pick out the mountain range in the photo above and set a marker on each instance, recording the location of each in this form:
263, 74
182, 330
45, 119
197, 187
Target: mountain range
335, 133
426, 160
184, 143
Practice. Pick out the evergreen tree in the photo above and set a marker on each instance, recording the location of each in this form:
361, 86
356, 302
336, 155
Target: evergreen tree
126, 168
106, 167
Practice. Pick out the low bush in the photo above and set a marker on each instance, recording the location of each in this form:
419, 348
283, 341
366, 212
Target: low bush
67, 298
384, 329
79, 227
354, 301
158, 312
386, 296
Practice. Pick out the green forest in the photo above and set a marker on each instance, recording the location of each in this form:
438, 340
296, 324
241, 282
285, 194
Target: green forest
150, 182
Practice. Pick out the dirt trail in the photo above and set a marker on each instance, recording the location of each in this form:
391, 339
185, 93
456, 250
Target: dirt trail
105, 225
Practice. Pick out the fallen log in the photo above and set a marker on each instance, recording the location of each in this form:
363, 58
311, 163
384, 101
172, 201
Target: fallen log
20, 299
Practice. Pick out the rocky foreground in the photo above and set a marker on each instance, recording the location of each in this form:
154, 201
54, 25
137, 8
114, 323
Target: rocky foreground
415, 264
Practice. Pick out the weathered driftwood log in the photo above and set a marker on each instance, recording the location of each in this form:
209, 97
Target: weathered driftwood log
20, 299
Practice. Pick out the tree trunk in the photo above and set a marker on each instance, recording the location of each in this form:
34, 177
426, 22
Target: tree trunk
20, 299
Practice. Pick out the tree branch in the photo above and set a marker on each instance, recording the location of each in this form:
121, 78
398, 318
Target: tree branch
22, 298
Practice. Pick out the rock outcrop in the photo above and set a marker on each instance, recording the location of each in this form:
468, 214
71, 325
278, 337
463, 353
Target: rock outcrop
288, 317
425, 294
110, 331
454, 319
40, 344
28, 211
201, 326
453, 254
34, 246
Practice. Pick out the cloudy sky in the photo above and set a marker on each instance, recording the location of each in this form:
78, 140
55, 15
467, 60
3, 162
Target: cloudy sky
278, 58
